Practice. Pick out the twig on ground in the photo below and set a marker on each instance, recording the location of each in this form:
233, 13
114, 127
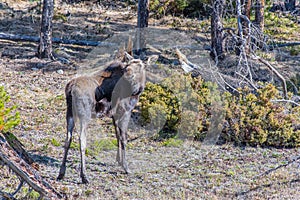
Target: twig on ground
276, 168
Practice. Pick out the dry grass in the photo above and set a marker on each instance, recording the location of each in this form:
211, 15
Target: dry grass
185, 171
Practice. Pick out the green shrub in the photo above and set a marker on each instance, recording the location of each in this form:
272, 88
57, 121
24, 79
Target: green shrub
181, 103
183, 107
280, 27
55, 142
172, 142
257, 120
161, 8
159, 105
8, 117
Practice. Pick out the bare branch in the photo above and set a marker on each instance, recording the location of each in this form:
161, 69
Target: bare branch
4, 195
286, 101
276, 168
27, 173
284, 86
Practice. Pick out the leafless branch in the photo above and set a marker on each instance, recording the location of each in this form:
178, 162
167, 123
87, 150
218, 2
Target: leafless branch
284, 86
276, 168
249, 81
286, 101
25, 171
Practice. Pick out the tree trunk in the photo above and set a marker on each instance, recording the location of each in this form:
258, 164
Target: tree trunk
217, 45
142, 23
259, 14
247, 10
245, 23
290, 5
143, 13
45, 46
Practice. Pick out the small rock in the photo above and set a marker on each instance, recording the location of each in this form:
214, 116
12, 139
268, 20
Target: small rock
60, 71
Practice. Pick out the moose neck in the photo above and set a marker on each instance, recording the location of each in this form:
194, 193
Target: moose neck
107, 80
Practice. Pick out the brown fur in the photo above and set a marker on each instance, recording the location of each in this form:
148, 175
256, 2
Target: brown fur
114, 92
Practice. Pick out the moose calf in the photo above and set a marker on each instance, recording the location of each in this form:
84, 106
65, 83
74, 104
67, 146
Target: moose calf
112, 92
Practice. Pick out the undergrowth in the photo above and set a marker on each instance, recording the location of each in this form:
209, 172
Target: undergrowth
9, 118
182, 106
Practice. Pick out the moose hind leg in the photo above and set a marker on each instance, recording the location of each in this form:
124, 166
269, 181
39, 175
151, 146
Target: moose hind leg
82, 139
70, 127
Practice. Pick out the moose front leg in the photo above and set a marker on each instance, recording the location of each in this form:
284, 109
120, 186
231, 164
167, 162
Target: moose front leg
123, 151
121, 116
119, 143
121, 134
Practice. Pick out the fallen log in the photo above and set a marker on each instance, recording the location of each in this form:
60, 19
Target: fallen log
25, 172
13, 37
18, 147
278, 45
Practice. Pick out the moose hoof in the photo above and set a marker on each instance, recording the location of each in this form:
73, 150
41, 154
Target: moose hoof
60, 177
127, 171
85, 180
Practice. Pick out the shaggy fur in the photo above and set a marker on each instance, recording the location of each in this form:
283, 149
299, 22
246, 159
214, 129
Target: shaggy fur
111, 92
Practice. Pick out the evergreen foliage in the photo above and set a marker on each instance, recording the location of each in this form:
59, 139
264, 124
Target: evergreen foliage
8, 117
185, 104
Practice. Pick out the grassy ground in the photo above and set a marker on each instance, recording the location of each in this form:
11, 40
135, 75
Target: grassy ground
169, 170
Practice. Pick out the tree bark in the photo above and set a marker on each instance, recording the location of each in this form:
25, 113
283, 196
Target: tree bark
259, 14
142, 23
290, 5
143, 13
45, 46
217, 44
25, 171
245, 23
247, 10
18, 147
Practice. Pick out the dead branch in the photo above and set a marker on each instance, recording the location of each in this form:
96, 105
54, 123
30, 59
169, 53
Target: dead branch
277, 45
5, 195
6, 36
286, 101
18, 147
226, 82
284, 86
276, 168
186, 64
26, 173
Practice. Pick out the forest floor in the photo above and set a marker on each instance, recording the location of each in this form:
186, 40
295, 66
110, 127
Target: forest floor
187, 170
